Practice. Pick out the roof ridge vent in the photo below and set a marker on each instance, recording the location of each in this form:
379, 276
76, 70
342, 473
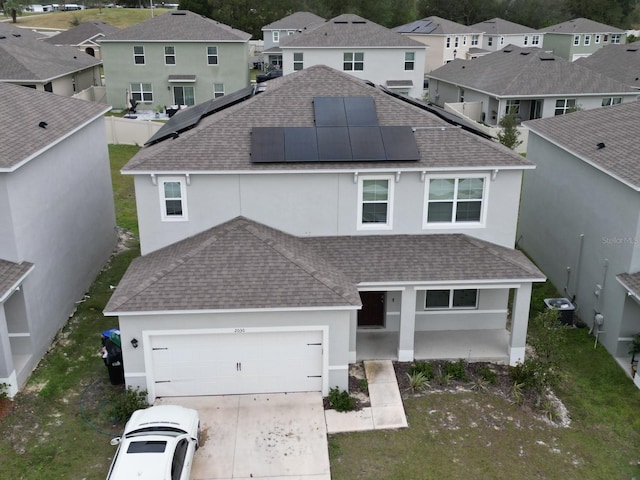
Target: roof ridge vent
341, 22
360, 22
547, 59
507, 50
180, 12
525, 53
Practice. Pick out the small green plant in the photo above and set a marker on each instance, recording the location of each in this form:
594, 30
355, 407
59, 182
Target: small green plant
517, 393
4, 391
341, 401
75, 21
363, 384
548, 336
417, 382
480, 384
509, 135
549, 409
122, 405
456, 370
425, 368
488, 374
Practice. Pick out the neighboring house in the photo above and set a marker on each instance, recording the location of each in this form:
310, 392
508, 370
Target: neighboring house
26, 60
579, 219
84, 37
280, 29
178, 58
529, 82
361, 48
498, 33
445, 40
580, 37
57, 221
621, 62
348, 223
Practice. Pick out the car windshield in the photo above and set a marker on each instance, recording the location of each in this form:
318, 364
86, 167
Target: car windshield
147, 446
169, 431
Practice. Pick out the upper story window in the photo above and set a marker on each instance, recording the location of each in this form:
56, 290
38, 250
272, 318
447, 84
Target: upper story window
475, 39
501, 40
375, 209
587, 40
218, 90
448, 42
456, 42
597, 39
565, 105
275, 36
169, 55
298, 61
449, 299
611, 101
455, 200
615, 38
353, 61
173, 198
212, 55
535, 40
490, 41
138, 54
576, 40
290, 32
142, 92
464, 40
526, 40
409, 60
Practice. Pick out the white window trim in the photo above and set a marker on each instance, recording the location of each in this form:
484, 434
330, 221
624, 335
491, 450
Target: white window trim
175, 57
617, 37
535, 39
597, 39
275, 36
475, 39
173, 93
217, 55
142, 91
163, 205
576, 40
376, 226
143, 55
456, 225
298, 62
218, 91
451, 307
448, 42
587, 40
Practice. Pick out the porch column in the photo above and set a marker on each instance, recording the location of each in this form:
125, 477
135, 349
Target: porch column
407, 324
519, 323
353, 331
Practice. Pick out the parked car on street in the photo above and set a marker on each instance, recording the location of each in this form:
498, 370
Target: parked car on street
158, 443
263, 77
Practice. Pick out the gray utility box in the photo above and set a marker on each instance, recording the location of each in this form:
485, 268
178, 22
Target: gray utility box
564, 306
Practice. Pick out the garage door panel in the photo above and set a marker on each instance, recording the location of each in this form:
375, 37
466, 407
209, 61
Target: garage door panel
238, 363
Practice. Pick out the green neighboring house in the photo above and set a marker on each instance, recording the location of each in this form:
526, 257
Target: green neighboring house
179, 58
580, 37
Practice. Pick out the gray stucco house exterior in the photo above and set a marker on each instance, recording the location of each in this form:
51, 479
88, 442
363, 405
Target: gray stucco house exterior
178, 58
58, 221
272, 33
498, 33
348, 224
579, 219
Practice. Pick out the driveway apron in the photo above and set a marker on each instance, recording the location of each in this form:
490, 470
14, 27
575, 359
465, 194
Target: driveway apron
274, 436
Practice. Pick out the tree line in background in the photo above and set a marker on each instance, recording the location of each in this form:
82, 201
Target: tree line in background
252, 15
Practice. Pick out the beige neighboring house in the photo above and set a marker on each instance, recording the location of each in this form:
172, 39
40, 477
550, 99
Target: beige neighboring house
26, 60
445, 40
84, 37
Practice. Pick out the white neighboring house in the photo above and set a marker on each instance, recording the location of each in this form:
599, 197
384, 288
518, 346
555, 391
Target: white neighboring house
297, 22
498, 33
361, 48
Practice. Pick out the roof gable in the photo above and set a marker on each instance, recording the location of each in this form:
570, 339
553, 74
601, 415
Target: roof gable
621, 62
580, 25
295, 21
10, 274
81, 33
498, 26
435, 26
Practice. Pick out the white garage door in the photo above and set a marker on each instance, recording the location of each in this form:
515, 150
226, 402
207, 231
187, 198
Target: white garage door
236, 363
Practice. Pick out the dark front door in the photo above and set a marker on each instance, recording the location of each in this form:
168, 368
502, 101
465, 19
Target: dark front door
372, 313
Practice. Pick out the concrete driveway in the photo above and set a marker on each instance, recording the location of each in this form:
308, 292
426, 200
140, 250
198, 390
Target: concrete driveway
274, 436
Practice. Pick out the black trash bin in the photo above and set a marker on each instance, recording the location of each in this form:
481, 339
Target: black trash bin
112, 356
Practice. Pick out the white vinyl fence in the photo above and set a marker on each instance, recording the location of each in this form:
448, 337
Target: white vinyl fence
130, 132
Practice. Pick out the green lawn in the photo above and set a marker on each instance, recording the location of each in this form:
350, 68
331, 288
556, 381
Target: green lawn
123, 191
118, 17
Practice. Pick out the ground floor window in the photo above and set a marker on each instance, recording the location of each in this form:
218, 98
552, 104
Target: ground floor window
451, 298
611, 101
183, 95
142, 92
565, 105
218, 90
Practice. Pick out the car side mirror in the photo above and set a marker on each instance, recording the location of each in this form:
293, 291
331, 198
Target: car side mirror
115, 441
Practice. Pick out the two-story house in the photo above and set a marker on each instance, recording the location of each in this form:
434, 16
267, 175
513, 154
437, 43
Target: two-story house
580, 37
529, 82
579, 218
361, 48
297, 22
445, 40
621, 62
349, 223
28, 61
57, 222
178, 58
84, 37
498, 33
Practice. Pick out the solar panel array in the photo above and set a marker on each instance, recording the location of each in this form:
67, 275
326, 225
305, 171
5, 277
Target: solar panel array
346, 130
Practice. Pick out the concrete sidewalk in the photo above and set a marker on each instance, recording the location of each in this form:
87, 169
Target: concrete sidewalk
386, 410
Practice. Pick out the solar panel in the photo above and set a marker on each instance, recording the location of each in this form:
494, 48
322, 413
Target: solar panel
361, 111
366, 144
267, 144
334, 144
329, 112
300, 144
400, 143
226, 101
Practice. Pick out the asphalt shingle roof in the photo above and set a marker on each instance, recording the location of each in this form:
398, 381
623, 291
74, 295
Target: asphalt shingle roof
25, 58
21, 111
580, 25
296, 21
10, 273
179, 25
81, 33
515, 71
435, 26
620, 62
349, 30
222, 141
498, 26
631, 282
581, 132
243, 264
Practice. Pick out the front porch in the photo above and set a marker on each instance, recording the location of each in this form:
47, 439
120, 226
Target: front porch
471, 345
